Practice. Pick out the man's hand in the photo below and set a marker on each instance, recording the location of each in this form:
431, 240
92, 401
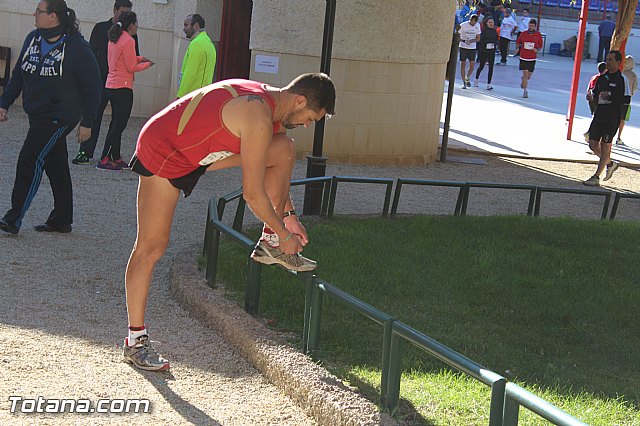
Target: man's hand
84, 133
292, 223
589, 96
3, 114
291, 245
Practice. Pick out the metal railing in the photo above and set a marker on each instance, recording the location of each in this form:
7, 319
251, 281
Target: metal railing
506, 397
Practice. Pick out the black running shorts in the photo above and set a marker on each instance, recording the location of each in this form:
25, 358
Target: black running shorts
603, 132
184, 183
467, 54
527, 65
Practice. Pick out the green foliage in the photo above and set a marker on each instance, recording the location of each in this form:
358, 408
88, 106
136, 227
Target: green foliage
551, 304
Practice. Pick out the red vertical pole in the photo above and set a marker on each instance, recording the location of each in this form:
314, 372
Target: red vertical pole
575, 81
539, 12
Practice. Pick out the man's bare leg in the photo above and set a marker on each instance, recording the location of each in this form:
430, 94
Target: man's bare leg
605, 158
156, 203
280, 161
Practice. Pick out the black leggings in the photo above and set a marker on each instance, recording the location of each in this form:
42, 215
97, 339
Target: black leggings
486, 56
121, 104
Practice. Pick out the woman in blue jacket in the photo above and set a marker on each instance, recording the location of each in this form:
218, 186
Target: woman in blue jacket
58, 77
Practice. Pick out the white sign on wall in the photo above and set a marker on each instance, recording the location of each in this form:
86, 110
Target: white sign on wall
267, 64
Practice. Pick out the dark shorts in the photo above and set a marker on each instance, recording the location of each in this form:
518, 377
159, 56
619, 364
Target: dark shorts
467, 54
603, 132
527, 65
184, 183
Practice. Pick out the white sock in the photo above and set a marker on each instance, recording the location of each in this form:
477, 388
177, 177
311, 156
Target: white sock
270, 237
133, 335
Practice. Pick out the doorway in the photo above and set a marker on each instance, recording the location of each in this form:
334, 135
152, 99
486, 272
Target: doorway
235, 56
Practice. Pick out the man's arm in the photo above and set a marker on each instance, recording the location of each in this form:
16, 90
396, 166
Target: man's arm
256, 131
193, 70
88, 76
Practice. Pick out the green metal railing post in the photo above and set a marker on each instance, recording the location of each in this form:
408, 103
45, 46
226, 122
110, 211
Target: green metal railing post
207, 231
387, 200
396, 198
386, 356
332, 196
309, 284
239, 217
496, 409
511, 412
314, 321
614, 208
532, 200
605, 208
252, 293
222, 203
212, 257
326, 195
395, 373
536, 209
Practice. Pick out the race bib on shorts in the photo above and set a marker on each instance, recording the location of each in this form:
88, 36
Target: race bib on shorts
529, 45
215, 156
491, 46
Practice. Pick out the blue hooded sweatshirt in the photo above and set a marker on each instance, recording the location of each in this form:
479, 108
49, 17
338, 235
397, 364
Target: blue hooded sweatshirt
62, 85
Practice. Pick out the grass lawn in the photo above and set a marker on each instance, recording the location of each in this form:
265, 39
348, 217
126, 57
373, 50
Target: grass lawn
552, 304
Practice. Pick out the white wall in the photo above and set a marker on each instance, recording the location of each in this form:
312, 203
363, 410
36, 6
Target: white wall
557, 31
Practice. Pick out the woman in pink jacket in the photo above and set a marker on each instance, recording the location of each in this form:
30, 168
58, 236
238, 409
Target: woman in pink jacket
123, 63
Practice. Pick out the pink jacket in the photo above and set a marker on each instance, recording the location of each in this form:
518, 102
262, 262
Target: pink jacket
123, 62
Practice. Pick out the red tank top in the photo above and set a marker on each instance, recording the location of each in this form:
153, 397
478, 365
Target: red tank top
189, 133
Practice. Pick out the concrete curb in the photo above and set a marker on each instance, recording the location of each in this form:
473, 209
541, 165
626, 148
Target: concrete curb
321, 395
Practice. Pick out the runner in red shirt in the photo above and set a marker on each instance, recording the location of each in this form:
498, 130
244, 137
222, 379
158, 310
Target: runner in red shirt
232, 123
528, 43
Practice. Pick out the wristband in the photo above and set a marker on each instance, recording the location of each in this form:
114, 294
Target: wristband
289, 213
288, 237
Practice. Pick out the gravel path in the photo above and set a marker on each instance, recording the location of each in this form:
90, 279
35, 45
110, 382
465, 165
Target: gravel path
62, 310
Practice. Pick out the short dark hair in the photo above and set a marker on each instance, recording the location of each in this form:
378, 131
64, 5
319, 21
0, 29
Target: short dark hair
526, 8
122, 3
616, 54
317, 88
125, 20
533, 21
197, 19
601, 67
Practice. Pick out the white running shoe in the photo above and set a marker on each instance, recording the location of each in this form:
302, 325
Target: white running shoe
264, 253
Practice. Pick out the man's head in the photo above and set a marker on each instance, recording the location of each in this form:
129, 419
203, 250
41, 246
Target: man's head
507, 12
119, 7
525, 11
613, 60
314, 96
193, 24
473, 20
602, 67
532, 25
489, 22
45, 16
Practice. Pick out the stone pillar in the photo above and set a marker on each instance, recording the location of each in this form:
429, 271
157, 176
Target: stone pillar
389, 60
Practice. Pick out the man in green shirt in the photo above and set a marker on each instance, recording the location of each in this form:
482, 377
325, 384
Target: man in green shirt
200, 59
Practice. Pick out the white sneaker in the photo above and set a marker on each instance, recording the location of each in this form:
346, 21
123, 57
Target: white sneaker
619, 142
264, 253
475, 83
489, 87
525, 94
610, 169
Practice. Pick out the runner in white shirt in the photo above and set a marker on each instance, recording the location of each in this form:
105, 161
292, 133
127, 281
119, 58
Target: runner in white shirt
469, 36
508, 29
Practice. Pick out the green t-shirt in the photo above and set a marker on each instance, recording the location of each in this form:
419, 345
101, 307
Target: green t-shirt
198, 65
